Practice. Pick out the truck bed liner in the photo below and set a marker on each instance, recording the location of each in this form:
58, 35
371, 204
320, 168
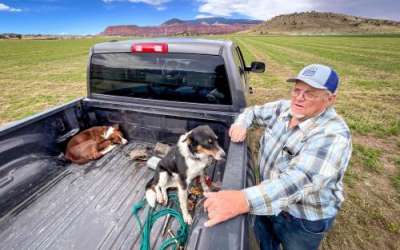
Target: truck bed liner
81, 209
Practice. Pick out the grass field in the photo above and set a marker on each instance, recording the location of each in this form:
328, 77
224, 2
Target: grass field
35, 75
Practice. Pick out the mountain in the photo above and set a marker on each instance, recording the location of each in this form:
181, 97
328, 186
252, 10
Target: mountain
213, 20
176, 26
173, 21
324, 22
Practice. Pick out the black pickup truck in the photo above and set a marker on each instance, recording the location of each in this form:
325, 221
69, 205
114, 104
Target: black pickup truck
156, 90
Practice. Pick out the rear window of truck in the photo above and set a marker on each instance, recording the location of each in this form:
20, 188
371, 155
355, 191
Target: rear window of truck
179, 77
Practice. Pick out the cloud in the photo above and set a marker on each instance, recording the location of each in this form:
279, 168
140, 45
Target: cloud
266, 9
161, 7
258, 9
158, 4
381, 9
4, 7
203, 16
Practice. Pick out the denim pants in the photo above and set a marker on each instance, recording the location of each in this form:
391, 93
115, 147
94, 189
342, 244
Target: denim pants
293, 233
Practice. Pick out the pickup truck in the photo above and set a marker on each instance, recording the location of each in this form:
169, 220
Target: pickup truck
156, 90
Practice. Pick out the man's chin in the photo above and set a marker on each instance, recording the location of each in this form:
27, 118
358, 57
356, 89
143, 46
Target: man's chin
297, 115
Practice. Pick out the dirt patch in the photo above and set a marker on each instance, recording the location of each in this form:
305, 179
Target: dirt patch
388, 145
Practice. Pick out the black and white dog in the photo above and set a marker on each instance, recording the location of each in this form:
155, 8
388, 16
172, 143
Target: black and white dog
184, 162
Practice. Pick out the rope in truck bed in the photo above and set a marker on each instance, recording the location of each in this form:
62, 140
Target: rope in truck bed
178, 240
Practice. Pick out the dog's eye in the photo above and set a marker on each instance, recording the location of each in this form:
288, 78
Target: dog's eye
210, 141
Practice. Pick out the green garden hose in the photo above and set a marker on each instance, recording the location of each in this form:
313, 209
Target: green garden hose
153, 215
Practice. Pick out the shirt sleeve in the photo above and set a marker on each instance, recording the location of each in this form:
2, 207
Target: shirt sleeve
323, 159
260, 115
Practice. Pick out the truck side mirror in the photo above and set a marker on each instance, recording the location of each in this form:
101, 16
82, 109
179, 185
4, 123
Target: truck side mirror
256, 67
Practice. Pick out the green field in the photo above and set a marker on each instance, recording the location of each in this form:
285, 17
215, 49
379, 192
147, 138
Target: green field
36, 75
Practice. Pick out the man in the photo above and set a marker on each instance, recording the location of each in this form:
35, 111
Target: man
304, 153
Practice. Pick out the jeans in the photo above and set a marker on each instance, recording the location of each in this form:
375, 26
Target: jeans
293, 233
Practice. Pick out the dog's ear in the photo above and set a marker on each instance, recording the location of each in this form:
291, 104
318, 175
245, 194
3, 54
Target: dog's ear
192, 144
103, 134
187, 138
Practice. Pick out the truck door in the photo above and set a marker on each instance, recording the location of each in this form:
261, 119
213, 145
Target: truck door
241, 65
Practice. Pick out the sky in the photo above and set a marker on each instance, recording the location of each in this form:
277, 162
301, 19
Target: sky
85, 17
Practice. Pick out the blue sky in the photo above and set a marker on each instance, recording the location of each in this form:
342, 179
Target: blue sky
93, 16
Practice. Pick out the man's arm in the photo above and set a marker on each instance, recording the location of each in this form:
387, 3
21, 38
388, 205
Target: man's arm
260, 115
255, 115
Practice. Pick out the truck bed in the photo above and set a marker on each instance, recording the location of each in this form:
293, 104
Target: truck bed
83, 207
47, 203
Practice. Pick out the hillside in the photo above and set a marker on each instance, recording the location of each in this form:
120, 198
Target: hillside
324, 22
180, 27
212, 21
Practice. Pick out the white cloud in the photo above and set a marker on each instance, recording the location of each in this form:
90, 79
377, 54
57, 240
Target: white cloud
161, 7
257, 9
4, 7
158, 4
203, 16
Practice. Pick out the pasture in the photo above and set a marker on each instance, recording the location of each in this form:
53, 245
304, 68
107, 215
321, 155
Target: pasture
37, 75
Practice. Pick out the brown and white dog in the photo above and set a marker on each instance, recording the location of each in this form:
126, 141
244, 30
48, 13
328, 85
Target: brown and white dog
93, 143
184, 162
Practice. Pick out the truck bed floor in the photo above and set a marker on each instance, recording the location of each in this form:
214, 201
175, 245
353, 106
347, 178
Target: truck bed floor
84, 207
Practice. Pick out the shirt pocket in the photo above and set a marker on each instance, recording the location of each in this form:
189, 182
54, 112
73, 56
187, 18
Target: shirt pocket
288, 153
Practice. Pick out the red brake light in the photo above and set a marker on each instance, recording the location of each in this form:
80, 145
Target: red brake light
149, 48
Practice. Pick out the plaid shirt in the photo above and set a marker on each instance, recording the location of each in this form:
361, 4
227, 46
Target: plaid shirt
302, 168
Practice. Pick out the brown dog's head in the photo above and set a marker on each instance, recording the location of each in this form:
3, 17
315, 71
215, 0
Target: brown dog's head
114, 134
202, 141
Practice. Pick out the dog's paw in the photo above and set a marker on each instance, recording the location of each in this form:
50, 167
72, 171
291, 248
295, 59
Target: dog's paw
206, 189
165, 201
159, 198
151, 198
188, 219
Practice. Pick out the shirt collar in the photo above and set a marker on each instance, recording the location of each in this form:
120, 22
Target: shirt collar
286, 115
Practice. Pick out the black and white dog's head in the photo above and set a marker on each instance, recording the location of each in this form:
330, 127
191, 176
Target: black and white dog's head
201, 143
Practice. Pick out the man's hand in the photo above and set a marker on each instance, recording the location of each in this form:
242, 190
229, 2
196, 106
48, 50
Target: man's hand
224, 205
237, 133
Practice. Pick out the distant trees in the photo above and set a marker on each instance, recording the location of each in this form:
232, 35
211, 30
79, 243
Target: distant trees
10, 36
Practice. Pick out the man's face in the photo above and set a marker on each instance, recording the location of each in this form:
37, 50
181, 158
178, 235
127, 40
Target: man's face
308, 101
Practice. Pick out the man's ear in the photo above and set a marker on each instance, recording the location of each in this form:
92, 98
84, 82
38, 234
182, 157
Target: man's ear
332, 99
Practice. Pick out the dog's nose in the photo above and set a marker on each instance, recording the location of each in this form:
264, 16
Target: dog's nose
220, 154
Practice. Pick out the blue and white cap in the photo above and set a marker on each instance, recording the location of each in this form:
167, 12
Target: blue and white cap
318, 76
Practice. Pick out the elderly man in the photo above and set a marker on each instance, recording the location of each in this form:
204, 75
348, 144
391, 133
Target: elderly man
304, 153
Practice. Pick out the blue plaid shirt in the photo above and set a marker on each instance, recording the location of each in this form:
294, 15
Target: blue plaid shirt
302, 168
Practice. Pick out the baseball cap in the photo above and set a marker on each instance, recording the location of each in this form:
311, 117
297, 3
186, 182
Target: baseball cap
318, 76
